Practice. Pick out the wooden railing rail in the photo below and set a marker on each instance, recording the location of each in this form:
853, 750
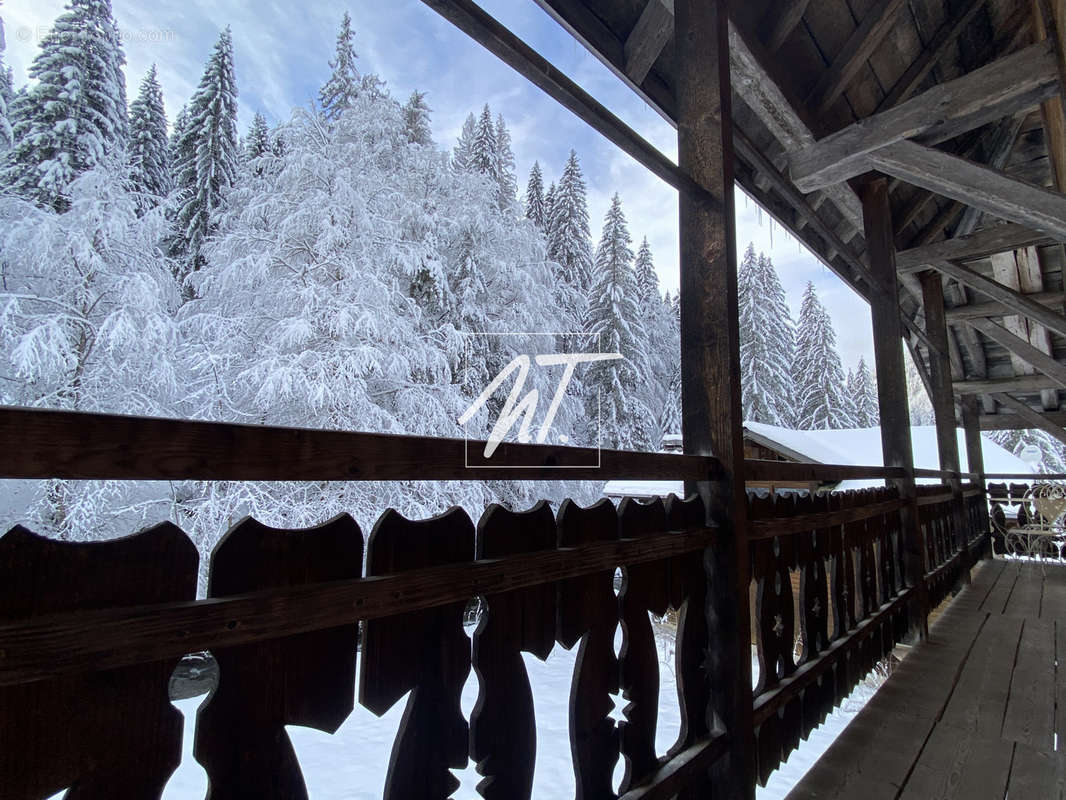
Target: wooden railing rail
765, 470
42, 443
945, 474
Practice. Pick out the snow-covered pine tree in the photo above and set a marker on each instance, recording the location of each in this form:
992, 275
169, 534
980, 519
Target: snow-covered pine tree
864, 395
87, 324
345, 83
535, 209
7, 95
768, 392
549, 204
416, 119
817, 371
1052, 451
614, 322
257, 140
463, 152
918, 402
569, 238
207, 157
149, 149
647, 280
181, 122
74, 116
484, 154
506, 175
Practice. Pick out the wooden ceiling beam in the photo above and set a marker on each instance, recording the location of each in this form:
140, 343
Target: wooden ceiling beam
1025, 384
1022, 349
994, 309
1014, 302
976, 185
1013, 422
853, 56
648, 38
985, 242
1048, 23
779, 23
942, 40
1033, 417
1002, 88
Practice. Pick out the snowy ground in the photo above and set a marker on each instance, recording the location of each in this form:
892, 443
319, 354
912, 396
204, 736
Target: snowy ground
350, 765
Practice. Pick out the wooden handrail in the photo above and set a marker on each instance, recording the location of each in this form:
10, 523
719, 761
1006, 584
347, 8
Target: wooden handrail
63, 644
780, 526
40, 443
765, 470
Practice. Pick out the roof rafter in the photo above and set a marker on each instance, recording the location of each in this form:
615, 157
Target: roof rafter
648, 38
1035, 418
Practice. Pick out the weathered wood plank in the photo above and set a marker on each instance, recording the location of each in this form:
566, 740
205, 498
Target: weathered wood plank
1030, 714
999, 89
1013, 422
998, 596
979, 244
648, 38
959, 764
1037, 773
779, 23
990, 190
853, 55
67, 444
937, 47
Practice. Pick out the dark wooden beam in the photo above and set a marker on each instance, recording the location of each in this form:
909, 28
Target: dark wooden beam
941, 42
990, 190
892, 384
648, 38
997, 152
1023, 349
1048, 25
779, 23
1016, 302
970, 413
1002, 88
853, 56
983, 310
1024, 384
1014, 422
1034, 418
940, 372
711, 419
984, 242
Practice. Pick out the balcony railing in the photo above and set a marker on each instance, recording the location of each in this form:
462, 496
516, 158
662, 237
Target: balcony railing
91, 632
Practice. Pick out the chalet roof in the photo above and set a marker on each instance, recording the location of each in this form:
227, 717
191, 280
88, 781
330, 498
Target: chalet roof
805, 73
850, 447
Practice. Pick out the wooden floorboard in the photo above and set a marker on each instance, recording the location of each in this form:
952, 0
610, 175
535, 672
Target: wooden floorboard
973, 711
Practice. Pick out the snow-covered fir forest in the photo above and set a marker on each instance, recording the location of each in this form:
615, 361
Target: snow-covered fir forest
329, 272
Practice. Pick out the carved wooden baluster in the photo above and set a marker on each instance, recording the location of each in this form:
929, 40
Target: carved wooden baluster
308, 679
853, 534
646, 587
839, 584
422, 652
871, 531
769, 624
588, 613
689, 585
814, 592
503, 730
887, 560
109, 735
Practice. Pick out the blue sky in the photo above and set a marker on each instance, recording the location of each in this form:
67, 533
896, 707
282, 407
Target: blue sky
282, 49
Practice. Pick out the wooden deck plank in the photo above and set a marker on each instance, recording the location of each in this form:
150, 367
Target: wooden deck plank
959, 763
971, 712
980, 697
1037, 773
1030, 716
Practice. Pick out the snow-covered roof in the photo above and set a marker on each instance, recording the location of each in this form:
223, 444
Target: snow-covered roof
850, 446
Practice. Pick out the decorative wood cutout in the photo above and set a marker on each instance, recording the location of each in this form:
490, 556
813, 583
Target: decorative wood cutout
775, 610
503, 731
307, 679
588, 613
812, 551
645, 587
112, 734
867, 563
842, 584
424, 652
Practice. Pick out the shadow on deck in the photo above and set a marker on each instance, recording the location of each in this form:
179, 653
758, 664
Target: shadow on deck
977, 711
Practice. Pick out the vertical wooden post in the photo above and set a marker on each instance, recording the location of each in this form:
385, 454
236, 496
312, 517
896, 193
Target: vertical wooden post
710, 368
943, 398
892, 385
970, 406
